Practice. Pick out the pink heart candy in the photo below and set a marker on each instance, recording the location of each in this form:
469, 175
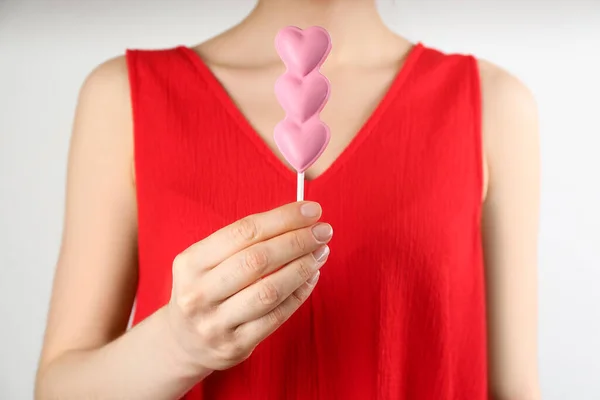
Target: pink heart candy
302, 98
303, 50
301, 144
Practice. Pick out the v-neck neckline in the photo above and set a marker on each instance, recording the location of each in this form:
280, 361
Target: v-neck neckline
219, 90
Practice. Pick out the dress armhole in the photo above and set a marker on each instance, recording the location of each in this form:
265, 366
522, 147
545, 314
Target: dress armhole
131, 60
477, 110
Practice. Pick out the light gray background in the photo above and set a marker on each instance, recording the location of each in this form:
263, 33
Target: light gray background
48, 47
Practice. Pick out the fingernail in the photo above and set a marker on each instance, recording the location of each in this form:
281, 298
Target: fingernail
310, 210
322, 232
321, 254
313, 279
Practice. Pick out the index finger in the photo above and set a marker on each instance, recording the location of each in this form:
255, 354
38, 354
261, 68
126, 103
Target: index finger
252, 229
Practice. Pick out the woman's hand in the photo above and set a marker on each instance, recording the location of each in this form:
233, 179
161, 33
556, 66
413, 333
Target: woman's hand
237, 286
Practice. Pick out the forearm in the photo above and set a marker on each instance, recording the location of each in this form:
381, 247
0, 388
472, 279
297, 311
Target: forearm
145, 363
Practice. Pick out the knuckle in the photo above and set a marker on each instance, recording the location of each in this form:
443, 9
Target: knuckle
276, 317
303, 269
191, 301
285, 216
245, 230
179, 263
255, 261
233, 352
299, 296
268, 293
187, 304
297, 242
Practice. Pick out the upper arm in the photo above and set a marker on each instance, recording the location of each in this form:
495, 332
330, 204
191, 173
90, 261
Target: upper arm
510, 230
95, 279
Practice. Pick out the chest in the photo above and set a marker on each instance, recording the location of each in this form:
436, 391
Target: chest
356, 94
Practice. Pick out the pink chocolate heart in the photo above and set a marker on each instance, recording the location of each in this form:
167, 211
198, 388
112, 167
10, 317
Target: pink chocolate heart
303, 50
301, 145
302, 98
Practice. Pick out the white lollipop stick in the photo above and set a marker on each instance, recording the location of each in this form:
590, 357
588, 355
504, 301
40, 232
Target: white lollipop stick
300, 187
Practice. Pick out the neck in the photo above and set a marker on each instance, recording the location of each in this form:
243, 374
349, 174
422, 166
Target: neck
354, 25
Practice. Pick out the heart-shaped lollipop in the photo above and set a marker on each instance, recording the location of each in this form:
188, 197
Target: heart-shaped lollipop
302, 98
302, 51
301, 144
302, 92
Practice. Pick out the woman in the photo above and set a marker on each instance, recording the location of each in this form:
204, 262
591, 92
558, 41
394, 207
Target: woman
172, 174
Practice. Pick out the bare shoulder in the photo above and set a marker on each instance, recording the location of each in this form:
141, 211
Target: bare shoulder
506, 100
104, 111
107, 84
113, 70
509, 126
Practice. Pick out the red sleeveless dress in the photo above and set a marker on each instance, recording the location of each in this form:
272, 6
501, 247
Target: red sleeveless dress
399, 310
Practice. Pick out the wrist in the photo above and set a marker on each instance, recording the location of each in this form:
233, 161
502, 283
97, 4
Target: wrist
179, 358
